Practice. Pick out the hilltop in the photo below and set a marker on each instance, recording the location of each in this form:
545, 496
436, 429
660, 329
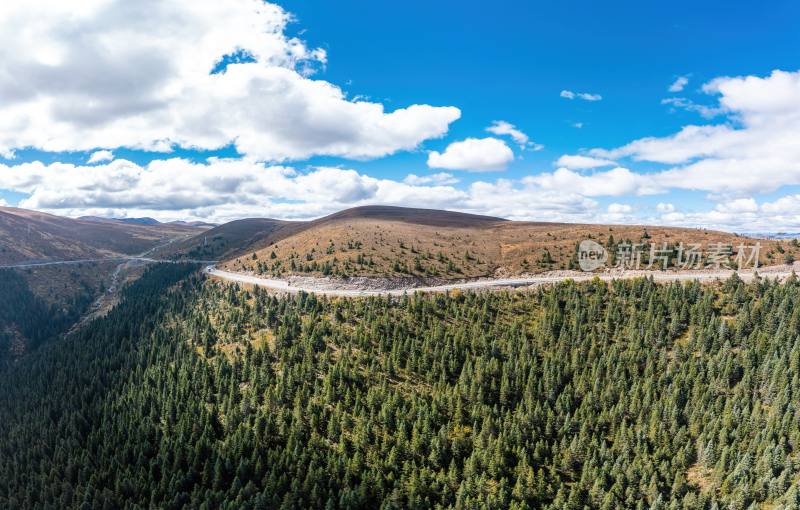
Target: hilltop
229, 239
424, 243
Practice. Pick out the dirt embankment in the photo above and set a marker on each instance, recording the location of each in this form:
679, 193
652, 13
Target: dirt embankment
364, 286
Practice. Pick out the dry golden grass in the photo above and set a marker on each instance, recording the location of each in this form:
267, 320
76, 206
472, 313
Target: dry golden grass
702, 478
33, 236
353, 246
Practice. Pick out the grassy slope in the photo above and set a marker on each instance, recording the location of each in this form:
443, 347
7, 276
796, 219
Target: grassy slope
29, 235
402, 242
229, 239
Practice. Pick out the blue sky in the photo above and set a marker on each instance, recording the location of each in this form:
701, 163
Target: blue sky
507, 61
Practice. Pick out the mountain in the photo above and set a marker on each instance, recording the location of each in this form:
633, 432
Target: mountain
34, 236
151, 221
229, 239
203, 224
426, 217
141, 221
402, 242
240, 237
41, 302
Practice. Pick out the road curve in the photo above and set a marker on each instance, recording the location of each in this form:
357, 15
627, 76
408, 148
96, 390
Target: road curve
779, 272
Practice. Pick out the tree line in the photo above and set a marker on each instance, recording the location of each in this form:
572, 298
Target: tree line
193, 393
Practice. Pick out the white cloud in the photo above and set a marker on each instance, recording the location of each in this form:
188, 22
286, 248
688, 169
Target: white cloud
614, 182
578, 162
524, 200
679, 84
226, 189
617, 213
475, 154
739, 205
568, 94
442, 178
619, 208
3, 202
220, 190
501, 127
755, 151
115, 73
743, 215
689, 105
577, 125
100, 156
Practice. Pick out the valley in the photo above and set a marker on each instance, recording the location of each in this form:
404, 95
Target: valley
460, 387
29, 236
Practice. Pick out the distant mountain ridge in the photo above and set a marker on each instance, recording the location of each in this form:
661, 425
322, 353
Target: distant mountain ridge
142, 221
34, 236
148, 221
203, 224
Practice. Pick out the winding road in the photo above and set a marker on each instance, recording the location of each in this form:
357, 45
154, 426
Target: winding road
329, 287
137, 258
324, 287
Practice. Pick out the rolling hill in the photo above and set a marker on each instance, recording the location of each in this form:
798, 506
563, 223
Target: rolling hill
41, 302
400, 242
34, 236
229, 239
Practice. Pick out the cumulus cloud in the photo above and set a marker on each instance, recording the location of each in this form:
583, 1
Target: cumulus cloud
739, 205
221, 190
440, 178
618, 213
755, 151
3, 202
615, 182
582, 162
501, 128
200, 75
568, 94
525, 200
743, 215
679, 84
473, 154
619, 208
100, 156
226, 189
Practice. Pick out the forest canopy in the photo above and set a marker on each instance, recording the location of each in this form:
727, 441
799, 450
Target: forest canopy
193, 393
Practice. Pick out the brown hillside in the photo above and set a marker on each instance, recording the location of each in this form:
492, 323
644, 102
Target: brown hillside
386, 241
230, 240
242, 237
34, 236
